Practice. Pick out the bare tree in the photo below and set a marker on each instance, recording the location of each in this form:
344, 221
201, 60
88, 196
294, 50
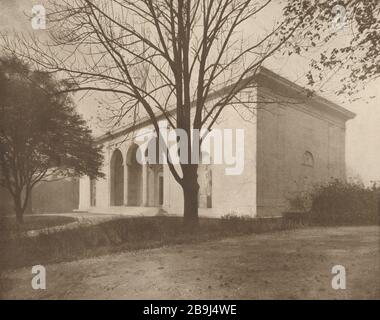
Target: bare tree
191, 48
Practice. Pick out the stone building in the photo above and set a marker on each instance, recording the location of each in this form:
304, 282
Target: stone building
60, 196
290, 143
6, 202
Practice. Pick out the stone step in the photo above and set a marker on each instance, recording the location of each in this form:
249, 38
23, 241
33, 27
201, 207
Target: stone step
128, 211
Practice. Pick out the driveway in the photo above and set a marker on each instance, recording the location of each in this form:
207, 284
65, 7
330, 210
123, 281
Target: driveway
283, 265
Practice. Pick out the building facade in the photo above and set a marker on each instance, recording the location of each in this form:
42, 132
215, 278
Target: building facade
290, 144
60, 196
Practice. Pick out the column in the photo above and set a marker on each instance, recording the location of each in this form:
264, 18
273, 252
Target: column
84, 193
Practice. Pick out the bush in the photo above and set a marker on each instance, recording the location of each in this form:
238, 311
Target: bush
300, 203
345, 203
297, 217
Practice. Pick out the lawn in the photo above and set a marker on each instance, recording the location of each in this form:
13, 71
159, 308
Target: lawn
33, 222
120, 234
292, 264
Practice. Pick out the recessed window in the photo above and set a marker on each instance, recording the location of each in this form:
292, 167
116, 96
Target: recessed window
308, 159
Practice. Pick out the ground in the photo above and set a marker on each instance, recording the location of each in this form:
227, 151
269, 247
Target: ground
36, 222
280, 265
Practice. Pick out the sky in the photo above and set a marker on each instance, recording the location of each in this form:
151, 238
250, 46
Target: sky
363, 132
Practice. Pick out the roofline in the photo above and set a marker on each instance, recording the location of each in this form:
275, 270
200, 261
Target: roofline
347, 115
263, 72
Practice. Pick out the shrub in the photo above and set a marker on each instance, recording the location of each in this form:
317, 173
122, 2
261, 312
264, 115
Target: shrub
300, 202
345, 203
301, 218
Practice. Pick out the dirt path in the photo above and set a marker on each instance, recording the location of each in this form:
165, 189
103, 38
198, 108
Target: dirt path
284, 265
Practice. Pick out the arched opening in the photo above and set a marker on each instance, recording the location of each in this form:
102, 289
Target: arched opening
155, 185
117, 179
155, 174
134, 177
205, 182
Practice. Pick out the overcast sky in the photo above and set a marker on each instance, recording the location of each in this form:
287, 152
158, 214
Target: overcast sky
363, 143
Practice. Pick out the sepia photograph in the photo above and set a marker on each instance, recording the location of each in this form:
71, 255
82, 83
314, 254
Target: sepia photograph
189, 150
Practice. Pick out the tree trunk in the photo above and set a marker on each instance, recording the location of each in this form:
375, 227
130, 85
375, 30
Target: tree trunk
19, 208
190, 189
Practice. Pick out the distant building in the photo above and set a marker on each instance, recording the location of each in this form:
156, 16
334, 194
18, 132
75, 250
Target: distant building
287, 148
47, 197
61, 196
6, 202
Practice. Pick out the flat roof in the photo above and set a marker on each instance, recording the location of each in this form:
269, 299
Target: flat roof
263, 75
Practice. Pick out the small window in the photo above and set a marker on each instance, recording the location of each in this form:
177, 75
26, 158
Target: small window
308, 159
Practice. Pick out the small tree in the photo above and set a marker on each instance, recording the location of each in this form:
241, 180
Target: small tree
41, 135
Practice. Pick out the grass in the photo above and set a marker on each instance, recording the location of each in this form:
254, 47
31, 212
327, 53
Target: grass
31, 222
125, 234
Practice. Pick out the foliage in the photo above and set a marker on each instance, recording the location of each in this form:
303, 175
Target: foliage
340, 202
348, 31
300, 202
41, 135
